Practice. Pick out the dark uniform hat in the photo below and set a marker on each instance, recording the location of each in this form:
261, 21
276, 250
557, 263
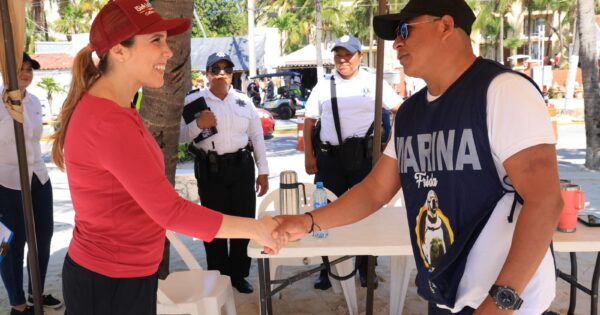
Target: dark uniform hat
34, 64
385, 26
216, 57
350, 43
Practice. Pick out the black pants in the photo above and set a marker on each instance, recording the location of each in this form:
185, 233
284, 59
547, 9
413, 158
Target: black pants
434, 310
90, 293
338, 180
11, 215
230, 191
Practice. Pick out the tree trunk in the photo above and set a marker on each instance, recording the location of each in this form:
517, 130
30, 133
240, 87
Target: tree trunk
318, 35
161, 108
501, 40
529, 27
371, 58
39, 17
589, 65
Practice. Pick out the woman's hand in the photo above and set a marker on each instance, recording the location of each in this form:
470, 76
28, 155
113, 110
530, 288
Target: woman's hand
310, 164
265, 237
262, 184
293, 227
206, 120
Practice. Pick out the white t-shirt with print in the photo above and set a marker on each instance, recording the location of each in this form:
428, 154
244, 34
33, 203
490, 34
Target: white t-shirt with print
356, 105
516, 119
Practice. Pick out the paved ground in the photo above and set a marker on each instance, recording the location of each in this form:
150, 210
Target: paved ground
300, 298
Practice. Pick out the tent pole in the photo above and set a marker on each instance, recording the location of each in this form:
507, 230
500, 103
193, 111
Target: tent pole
22, 157
379, 89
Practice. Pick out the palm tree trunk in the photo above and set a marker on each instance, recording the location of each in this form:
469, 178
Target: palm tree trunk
501, 40
318, 33
371, 59
161, 108
529, 27
589, 65
39, 17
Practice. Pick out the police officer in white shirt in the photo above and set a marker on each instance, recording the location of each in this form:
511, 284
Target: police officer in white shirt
11, 208
355, 94
224, 166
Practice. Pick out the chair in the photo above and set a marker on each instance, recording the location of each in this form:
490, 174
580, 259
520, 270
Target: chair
401, 268
348, 287
194, 291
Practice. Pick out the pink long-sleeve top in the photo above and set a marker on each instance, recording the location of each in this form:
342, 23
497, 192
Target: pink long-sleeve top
123, 201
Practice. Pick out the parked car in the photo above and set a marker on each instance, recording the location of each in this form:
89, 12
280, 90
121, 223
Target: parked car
267, 122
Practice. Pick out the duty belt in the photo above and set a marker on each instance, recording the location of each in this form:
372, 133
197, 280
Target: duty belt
328, 149
215, 160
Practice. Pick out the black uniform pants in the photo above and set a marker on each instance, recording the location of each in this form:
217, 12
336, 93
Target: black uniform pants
229, 190
338, 180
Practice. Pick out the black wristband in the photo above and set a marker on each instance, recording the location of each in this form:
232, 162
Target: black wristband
312, 222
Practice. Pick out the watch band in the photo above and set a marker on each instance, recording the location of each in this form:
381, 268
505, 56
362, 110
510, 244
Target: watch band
496, 290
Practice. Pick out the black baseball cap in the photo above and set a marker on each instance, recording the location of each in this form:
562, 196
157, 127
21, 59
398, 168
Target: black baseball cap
216, 57
34, 64
385, 26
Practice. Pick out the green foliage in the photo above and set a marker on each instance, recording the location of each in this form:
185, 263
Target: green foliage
221, 18
50, 86
297, 19
358, 16
513, 43
195, 74
183, 155
73, 20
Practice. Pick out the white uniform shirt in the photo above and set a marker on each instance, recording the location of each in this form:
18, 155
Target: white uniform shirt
237, 122
356, 105
516, 119
32, 127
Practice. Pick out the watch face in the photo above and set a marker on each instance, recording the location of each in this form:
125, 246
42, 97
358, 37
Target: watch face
506, 298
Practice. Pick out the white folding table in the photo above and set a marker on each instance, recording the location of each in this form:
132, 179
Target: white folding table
384, 233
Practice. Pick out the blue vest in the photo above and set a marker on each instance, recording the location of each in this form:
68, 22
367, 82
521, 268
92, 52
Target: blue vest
449, 179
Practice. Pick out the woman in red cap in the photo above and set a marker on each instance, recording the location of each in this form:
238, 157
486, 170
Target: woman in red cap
123, 202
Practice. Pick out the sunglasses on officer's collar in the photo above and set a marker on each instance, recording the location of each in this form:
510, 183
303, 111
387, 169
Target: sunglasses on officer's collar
216, 70
402, 30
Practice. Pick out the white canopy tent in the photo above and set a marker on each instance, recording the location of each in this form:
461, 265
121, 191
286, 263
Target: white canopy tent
305, 57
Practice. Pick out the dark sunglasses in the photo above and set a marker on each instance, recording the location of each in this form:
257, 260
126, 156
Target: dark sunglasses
215, 70
402, 30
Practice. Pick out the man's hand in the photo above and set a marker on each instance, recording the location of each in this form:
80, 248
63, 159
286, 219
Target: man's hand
206, 119
310, 164
262, 184
265, 236
489, 307
294, 227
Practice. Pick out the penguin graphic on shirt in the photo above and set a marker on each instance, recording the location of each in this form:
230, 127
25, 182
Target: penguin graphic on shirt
434, 233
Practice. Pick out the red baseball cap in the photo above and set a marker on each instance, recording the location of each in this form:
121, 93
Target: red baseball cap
119, 20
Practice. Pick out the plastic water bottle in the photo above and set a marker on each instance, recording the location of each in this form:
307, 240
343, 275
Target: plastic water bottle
319, 200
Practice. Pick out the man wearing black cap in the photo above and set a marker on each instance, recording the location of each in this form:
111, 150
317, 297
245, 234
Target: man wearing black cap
11, 214
474, 154
224, 166
355, 101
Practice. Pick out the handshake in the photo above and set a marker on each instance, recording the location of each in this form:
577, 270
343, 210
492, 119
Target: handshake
274, 232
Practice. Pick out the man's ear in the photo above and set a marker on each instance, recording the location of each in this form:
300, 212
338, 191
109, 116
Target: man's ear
447, 22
